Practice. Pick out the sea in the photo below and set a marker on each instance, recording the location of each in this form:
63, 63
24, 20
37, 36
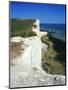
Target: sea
55, 30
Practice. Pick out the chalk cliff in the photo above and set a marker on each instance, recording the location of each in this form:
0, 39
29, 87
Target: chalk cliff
27, 70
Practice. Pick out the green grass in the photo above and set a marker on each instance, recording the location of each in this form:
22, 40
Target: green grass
50, 62
45, 39
22, 27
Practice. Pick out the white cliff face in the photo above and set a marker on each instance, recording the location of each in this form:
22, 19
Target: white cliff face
27, 71
32, 53
37, 29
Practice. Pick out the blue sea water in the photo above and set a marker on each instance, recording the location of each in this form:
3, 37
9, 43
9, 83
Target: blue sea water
55, 30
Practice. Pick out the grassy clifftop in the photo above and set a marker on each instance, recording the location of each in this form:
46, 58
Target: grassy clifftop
22, 27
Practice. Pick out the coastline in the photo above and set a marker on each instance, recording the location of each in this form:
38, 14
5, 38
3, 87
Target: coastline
27, 69
58, 56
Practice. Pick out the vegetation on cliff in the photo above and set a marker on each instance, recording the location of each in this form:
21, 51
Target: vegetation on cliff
53, 61
22, 27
